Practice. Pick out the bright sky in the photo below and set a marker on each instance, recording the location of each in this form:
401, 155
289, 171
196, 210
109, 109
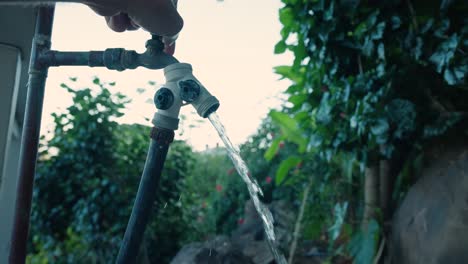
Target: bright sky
229, 44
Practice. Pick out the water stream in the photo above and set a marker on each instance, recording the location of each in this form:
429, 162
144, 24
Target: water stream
252, 186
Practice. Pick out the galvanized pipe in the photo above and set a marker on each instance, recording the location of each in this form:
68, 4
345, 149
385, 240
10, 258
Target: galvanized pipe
30, 136
114, 59
72, 58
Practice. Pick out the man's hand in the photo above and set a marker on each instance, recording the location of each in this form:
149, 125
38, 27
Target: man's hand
159, 17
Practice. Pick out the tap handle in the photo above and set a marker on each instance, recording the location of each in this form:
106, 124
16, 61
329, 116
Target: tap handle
155, 43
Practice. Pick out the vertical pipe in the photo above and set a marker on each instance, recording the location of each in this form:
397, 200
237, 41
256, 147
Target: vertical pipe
30, 136
146, 196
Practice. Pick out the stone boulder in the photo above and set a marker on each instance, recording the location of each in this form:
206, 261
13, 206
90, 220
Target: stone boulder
246, 245
216, 251
431, 225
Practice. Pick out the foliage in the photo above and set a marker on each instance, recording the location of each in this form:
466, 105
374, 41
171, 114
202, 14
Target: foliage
87, 177
371, 80
214, 193
367, 74
364, 244
204, 191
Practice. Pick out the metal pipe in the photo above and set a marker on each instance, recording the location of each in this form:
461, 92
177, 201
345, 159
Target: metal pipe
114, 59
73, 58
147, 191
30, 137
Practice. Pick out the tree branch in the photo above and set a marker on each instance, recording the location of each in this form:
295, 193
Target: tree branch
413, 16
361, 71
297, 227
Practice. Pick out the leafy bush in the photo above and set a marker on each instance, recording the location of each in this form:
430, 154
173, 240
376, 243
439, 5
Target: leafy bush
372, 82
215, 194
87, 178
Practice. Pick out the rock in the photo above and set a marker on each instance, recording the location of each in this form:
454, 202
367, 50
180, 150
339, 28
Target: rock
216, 251
285, 220
258, 251
247, 243
431, 225
188, 254
213, 257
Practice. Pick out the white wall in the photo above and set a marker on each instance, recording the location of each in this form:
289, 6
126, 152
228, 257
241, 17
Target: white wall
10, 68
17, 26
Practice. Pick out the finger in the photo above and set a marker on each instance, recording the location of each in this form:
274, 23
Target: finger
133, 25
156, 16
103, 11
169, 40
118, 23
169, 49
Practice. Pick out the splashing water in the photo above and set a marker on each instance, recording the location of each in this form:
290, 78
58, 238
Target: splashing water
252, 186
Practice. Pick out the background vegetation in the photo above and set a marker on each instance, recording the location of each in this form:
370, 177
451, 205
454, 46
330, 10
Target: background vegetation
374, 84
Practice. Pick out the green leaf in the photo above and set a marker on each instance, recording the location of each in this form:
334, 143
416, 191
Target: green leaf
70, 90
449, 77
328, 14
396, 22
380, 127
445, 52
273, 149
280, 47
445, 4
290, 129
427, 26
289, 73
368, 47
284, 167
286, 16
417, 50
402, 114
297, 99
314, 141
363, 245
455, 75
300, 52
285, 32
360, 30
378, 31
347, 166
440, 125
283, 70
381, 51
372, 19
324, 110
339, 212
283, 119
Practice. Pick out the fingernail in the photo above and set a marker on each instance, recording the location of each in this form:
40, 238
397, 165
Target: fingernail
169, 49
169, 40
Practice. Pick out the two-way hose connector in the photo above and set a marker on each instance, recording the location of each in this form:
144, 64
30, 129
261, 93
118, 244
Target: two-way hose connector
181, 86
